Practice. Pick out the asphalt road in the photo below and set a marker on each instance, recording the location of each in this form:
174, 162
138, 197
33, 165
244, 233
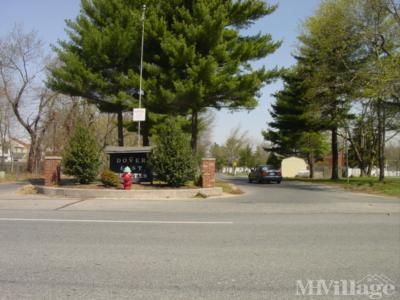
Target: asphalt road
254, 246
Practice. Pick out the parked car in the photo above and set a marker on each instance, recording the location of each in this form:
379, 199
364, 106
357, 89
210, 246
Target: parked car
265, 173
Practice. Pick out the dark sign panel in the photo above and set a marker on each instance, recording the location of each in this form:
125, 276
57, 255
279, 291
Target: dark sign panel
137, 162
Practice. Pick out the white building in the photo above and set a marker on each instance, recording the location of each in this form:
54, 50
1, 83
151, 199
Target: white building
17, 151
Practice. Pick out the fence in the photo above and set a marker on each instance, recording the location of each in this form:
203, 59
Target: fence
19, 167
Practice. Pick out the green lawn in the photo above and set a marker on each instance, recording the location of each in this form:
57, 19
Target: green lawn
391, 185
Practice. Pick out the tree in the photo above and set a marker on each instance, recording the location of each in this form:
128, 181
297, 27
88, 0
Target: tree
246, 157
330, 50
379, 25
260, 155
293, 131
234, 144
363, 137
218, 152
4, 130
81, 156
172, 160
101, 60
194, 56
205, 59
274, 161
22, 66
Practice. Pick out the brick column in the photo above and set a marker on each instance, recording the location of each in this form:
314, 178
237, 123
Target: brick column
208, 172
52, 168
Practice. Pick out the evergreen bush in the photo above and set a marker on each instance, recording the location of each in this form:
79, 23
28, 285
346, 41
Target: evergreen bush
172, 160
81, 156
110, 179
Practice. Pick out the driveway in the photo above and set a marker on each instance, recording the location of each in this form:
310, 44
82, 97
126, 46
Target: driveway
264, 244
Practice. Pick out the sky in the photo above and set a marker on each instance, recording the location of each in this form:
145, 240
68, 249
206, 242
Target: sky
47, 18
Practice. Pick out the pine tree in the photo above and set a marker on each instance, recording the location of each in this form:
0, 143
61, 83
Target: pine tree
195, 56
172, 160
330, 49
100, 61
205, 58
81, 156
294, 129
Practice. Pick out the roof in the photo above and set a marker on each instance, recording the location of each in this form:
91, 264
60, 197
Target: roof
115, 149
18, 141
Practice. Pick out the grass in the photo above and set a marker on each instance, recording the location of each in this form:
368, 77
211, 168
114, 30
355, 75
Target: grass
228, 187
390, 186
19, 177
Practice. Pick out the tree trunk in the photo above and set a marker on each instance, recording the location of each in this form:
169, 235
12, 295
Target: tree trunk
311, 165
146, 133
31, 165
120, 125
335, 155
369, 169
193, 141
3, 151
381, 140
362, 169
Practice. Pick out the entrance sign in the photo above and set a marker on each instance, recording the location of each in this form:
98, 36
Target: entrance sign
133, 157
139, 114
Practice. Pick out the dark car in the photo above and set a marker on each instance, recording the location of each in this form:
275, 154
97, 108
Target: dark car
265, 173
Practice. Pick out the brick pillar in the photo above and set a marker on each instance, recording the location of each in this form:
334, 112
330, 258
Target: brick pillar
52, 168
208, 172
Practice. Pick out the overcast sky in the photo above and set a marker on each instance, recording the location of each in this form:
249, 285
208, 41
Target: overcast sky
47, 18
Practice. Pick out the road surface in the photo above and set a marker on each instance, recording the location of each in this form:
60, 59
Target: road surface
255, 246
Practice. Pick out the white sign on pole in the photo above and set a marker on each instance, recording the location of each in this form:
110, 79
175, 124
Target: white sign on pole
139, 114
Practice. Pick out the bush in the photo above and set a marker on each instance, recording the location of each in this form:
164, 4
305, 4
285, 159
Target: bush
172, 160
109, 178
81, 156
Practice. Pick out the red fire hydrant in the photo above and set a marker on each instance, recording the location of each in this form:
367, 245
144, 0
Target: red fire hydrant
127, 178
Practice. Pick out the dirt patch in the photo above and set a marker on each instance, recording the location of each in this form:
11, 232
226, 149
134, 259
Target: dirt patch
28, 189
229, 188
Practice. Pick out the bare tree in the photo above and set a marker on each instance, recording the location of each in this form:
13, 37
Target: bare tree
4, 130
22, 70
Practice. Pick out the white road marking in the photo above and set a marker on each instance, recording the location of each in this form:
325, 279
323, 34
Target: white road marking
116, 221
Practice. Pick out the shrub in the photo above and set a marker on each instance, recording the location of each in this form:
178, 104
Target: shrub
109, 178
81, 156
172, 160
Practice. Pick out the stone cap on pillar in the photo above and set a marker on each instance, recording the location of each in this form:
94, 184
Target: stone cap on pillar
208, 158
52, 157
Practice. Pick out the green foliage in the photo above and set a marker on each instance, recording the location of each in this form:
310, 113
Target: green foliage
172, 161
274, 161
246, 157
217, 152
331, 51
293, 130
98, 59
237, 148
195, 55
260, 156
109, 178
205, 57
81, 156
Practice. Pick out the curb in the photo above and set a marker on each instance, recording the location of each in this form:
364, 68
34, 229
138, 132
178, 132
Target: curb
132, 194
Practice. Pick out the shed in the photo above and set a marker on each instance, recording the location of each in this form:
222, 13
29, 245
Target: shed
291, 166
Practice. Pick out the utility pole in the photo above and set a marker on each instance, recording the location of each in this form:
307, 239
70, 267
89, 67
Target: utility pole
141, 69
347, 155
